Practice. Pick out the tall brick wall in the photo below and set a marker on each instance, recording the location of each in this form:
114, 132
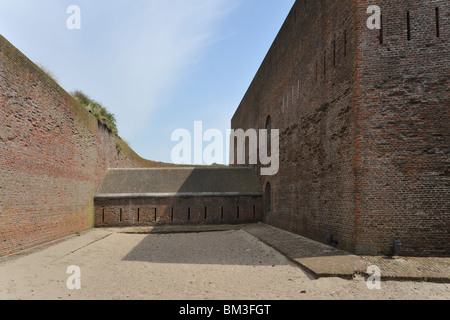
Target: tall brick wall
53, 154
306, 86
363, 125
403, 119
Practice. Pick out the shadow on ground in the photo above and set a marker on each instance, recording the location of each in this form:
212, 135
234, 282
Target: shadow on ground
232, 247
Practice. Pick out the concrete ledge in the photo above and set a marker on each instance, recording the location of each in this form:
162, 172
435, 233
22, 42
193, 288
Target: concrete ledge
319, 259
107, 196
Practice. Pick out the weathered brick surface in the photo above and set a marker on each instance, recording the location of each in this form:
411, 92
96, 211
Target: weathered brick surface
309, 96
403, 117
177, 211
363, 126
53, 155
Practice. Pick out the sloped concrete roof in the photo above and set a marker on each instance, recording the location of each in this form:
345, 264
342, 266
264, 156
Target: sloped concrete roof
179, 182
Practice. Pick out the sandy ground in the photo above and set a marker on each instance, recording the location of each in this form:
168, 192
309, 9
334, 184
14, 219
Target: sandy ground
230, 265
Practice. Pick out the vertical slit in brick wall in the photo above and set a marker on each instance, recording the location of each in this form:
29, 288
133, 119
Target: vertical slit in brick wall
120, 216
206, 213
189, 214
268, 195
138, 215
287, 103
171, 215
221, 213
408, 25
103, 216
438, 27
155, 215
317, 69
334, 53
345, 43
293, 93
237, 213
381, 29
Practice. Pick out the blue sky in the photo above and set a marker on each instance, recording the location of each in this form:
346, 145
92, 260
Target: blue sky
158, 65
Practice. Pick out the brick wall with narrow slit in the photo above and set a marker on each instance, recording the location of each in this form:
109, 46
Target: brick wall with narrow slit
177, 211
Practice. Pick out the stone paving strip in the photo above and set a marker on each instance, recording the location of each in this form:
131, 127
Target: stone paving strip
84, 239
319, 259
325, 261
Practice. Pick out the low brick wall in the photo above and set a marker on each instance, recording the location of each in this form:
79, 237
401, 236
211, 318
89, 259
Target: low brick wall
177, 210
